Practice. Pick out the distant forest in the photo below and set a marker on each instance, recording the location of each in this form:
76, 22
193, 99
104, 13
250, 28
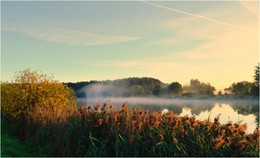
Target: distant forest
153, 87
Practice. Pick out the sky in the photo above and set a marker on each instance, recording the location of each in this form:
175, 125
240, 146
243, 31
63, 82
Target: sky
213, 41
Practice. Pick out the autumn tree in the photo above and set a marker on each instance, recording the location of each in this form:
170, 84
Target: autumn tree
30, 90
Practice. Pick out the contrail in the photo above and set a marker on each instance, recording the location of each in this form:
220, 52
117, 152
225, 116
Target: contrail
198, 16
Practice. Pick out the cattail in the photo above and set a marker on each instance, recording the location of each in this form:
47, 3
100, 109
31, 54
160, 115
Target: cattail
217, 143
256, 134
140, 125
135, 117
126, 128
228, 140
241, 145
177, 123
141, 113
174, 140
124, 106
161, 137
97, 106
104, 105
100, 121
131, 138
156, 123
223, 131
229, 124
145, 119
217, 119
116, 117
107, 119
133, 123
243, 127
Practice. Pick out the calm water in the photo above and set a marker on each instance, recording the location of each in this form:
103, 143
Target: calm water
244, 111
227, 113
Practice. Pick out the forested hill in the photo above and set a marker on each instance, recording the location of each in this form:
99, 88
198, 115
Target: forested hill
128, 86
144, 86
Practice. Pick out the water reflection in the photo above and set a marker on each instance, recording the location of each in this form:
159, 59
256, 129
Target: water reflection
227, 114
235, 110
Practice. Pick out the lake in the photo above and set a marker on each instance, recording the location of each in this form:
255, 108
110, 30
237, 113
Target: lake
234, 110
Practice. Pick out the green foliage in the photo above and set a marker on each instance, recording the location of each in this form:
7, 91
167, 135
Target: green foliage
199, 88
157, 90
245, 87
137, 90
12, 147
126, 87
175, 88
256, 75
30, 90
241, 88
255, 86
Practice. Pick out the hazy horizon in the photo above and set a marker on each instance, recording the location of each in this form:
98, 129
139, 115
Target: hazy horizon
213, 41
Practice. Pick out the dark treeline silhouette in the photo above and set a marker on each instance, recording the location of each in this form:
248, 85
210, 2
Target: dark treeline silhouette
147, 86
140, 87
245, 87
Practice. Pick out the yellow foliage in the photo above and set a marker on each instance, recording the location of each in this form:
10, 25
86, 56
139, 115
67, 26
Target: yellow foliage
30, 90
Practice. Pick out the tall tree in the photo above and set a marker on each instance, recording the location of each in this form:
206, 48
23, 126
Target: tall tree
256, 76
199, 88
157, 90
255, 86
175, 88
241, 88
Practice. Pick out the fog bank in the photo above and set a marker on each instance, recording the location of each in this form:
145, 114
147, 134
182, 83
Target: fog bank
165, 101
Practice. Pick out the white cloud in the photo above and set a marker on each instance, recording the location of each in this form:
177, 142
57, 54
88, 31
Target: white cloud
70, 37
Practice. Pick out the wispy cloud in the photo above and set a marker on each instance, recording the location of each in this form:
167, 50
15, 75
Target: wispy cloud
251, 6
199, 16
71, 37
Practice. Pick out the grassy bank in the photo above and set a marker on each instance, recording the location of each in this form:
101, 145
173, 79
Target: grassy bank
104, 131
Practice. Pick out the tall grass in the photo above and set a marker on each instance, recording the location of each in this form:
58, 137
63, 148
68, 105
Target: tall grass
105, 131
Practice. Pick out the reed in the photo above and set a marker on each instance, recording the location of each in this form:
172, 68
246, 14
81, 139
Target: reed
105, 131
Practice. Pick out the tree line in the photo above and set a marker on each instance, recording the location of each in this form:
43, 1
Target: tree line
245, 87
146, 86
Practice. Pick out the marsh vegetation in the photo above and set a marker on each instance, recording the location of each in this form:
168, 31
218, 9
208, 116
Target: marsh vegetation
40, 117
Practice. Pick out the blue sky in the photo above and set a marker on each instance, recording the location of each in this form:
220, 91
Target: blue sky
214, 41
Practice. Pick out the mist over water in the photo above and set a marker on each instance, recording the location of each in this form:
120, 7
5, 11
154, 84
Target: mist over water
101, 90
235, 110
164, 101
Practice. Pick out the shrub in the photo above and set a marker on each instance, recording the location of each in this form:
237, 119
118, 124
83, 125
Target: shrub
31, 90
